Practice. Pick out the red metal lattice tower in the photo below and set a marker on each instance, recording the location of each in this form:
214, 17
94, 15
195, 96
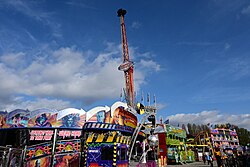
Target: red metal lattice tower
127, 66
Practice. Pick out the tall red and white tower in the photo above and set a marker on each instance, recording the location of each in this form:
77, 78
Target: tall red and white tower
127, 65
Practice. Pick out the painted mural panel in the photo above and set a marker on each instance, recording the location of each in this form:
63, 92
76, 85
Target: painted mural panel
37, 151
67, 160
3, 123
18, 118
118, 114
97, 154
68, 146
42, 118
41, 162
71, 118
123, 117
98, 114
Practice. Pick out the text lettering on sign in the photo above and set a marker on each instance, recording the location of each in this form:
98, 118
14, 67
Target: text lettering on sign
67, 133
41, 134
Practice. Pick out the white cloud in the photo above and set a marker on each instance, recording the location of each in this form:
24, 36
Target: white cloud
65, 74
31, 105
214, 117
13, 59
150, 64
161, 106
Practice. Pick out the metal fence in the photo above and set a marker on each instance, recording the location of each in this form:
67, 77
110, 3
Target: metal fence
10, 157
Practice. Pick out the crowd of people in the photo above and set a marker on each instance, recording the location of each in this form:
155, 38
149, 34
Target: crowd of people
227, 159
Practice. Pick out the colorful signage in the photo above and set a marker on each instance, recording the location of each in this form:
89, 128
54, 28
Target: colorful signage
41, 134
68, 146
118, 114
18, 118
66, 160
41, 162
176, 131
3, 116
69, 134
42, 118
233, 133
92, 125
41, 150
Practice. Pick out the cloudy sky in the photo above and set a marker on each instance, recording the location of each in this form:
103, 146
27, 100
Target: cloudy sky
193, 55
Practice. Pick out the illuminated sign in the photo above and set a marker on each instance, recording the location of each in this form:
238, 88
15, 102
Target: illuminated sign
41, 134
90, 125
93, 151
69, 133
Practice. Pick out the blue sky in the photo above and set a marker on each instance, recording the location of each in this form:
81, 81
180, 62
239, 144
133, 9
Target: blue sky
193, 55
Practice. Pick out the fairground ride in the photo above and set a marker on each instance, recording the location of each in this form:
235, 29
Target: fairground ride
128, 68
219, 139
103, 136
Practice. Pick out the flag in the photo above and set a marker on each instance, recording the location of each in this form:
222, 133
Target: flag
121, 94
148, 99
142, 96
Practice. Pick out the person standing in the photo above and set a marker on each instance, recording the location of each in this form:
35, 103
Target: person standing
218, 159
204, 158
210, 160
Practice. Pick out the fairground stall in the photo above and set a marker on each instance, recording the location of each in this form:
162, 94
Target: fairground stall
69, 137
177, 152
108, 136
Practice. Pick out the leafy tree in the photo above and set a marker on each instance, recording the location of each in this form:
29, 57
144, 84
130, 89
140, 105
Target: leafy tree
244, 135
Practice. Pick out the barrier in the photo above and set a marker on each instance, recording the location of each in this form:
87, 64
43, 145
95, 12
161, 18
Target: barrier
10, 157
